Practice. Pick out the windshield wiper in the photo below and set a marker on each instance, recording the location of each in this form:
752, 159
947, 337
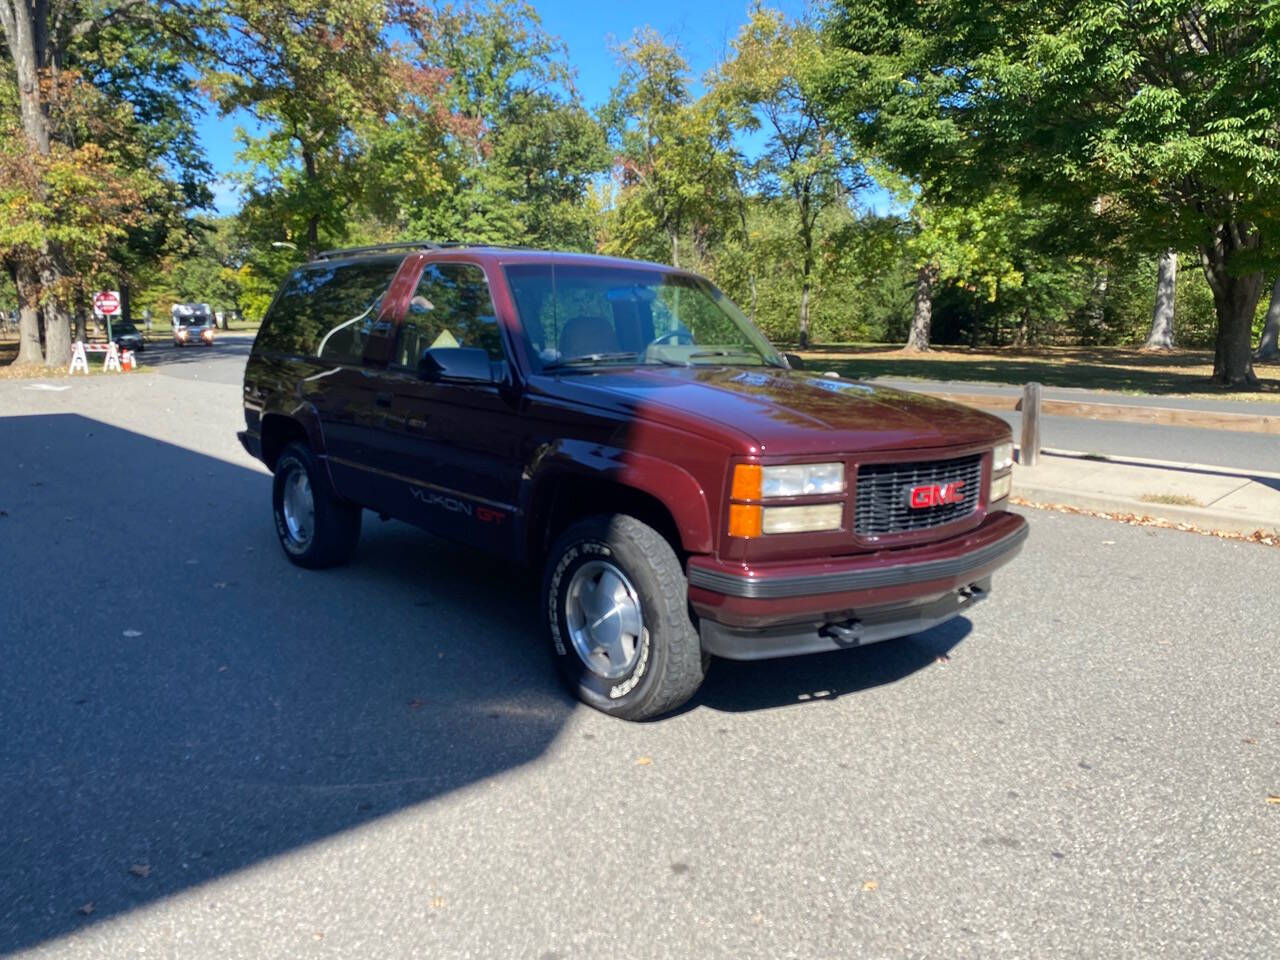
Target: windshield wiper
589, 358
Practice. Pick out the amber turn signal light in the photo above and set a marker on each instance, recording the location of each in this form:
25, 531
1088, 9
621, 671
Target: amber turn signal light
748, 481
745, 521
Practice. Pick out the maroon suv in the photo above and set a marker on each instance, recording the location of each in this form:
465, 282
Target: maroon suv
687, 492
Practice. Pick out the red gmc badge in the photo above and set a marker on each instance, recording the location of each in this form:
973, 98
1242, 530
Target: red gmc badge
935, 494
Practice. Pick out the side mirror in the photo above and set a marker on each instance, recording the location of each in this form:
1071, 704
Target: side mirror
455, 363
794, 361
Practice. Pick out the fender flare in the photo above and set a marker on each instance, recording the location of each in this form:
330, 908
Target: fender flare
672, 486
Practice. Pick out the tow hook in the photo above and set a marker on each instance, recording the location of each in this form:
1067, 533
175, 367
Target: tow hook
847, 634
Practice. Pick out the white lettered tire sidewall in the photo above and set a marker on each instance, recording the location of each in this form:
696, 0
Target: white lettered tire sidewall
669, 665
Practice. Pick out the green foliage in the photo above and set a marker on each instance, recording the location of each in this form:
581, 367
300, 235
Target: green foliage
516, 167
1161, 118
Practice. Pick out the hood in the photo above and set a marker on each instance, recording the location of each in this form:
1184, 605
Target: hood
792, 412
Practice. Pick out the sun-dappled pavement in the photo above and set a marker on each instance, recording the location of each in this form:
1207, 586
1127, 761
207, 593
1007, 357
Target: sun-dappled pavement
208, 752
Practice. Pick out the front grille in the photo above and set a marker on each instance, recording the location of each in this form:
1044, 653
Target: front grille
882, 499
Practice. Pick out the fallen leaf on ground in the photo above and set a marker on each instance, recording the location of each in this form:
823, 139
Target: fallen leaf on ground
643, 761
437, 903
85, 908
141, 869
1273, 798
1252, 742
132, 633
1108, 543
869, 886
1142, 520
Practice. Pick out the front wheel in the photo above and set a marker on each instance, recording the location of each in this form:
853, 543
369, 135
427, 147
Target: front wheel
316, 527
616, 601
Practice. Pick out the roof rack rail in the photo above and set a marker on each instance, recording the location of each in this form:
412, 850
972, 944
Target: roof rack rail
381, 247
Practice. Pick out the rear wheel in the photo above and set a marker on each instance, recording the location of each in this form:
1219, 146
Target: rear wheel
616, 602
316, 527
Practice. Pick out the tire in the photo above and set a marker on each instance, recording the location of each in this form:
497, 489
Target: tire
648, 656
328, 534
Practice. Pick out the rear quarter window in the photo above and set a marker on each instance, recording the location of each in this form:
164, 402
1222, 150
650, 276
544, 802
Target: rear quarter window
327, 310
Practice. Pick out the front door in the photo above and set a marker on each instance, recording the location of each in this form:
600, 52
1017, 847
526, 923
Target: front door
452, 442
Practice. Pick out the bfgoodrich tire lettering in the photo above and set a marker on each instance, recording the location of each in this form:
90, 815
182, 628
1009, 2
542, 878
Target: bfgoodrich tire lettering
328, 536
664, 665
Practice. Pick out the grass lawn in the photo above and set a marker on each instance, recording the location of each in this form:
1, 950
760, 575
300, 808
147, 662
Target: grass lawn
1120, 369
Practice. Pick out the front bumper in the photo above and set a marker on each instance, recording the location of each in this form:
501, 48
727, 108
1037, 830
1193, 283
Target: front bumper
812, 594
869, 626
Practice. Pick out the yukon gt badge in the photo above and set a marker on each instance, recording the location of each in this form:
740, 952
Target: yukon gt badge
935, 494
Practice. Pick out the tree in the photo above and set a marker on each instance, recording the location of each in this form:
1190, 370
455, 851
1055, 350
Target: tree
323, 80
658, 150
65, 198
774, 71
1168, 110
1161, 335
1269, 343
523, 151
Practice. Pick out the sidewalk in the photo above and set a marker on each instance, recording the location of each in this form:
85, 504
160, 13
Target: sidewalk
1219, 498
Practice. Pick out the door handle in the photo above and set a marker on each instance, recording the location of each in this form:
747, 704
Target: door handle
382, 399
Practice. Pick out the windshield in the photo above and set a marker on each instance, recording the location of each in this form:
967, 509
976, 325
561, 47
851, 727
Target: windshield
192, 321
582, 317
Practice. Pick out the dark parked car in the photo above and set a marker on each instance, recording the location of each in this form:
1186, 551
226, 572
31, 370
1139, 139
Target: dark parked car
127, 336
623, 426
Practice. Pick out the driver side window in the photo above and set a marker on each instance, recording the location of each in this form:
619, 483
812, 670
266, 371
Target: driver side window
450, 308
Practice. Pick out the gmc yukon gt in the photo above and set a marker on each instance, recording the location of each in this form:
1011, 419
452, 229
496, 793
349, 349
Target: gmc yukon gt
686, 491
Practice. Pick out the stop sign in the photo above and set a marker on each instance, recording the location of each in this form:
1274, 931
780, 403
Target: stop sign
107, 303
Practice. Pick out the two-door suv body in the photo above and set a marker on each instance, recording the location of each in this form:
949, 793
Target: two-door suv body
686, 492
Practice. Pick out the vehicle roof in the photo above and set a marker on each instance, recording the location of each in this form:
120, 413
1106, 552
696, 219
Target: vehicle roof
494, 254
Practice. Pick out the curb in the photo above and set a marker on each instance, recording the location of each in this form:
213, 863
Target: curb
1196, 516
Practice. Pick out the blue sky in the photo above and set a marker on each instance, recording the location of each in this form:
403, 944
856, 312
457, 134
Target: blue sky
590, 29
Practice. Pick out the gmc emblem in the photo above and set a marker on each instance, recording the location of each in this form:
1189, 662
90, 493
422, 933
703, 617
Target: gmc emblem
935, 494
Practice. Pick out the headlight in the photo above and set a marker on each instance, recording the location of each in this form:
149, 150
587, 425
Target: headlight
1000, 487
822, 516
1002, 457
752, 482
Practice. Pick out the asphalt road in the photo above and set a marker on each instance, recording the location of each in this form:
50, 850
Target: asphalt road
377, 761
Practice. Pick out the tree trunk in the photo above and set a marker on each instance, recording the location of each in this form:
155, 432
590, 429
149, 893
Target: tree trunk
57, 335
27, 283
803, 339
81, 310
1161, 335
1235, 300
922, 321
313, 221
1098, 302
1269, 346
675, 248
126, 307
1020, 331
